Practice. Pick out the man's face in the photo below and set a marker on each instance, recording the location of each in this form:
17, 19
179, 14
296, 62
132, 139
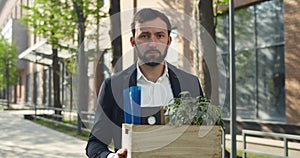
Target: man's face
151, 41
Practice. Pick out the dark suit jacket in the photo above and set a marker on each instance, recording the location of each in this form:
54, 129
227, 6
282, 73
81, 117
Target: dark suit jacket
109, 114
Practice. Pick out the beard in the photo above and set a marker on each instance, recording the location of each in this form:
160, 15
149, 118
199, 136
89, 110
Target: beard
152, 60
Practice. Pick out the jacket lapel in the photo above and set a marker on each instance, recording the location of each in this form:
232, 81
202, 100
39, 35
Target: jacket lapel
132, 78
174, 81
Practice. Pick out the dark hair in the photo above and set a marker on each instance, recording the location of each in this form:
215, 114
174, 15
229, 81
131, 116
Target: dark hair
149, 14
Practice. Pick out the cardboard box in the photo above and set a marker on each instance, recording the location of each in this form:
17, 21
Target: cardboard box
164, 141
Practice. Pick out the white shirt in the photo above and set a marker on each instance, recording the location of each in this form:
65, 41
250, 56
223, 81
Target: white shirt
157, 93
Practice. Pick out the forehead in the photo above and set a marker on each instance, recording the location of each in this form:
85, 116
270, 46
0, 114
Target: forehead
155, 24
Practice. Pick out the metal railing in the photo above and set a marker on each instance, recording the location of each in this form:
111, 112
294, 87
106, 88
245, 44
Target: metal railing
3, 102
88, 117
284, 137
48, 113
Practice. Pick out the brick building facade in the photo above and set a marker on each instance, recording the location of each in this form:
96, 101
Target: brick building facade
292, 60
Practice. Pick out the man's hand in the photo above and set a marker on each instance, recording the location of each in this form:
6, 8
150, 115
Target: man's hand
121, 153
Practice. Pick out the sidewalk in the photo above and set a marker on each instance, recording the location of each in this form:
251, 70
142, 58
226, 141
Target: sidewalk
22, 138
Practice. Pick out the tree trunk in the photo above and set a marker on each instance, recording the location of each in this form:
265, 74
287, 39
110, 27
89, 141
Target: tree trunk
56, 81
83, 80
206, 45
116, 37
207, 16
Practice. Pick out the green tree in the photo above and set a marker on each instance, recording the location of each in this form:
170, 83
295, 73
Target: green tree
8, 68
84, 13
60, 21
52, 20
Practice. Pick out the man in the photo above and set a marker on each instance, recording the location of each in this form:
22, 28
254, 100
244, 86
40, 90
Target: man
160, 82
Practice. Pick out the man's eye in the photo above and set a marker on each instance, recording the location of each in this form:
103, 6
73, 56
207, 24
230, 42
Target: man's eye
160, 36
144, 36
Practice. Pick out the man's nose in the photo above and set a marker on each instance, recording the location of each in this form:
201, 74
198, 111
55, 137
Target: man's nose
153, 42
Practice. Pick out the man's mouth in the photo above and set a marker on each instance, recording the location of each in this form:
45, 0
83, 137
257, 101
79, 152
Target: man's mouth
152, 52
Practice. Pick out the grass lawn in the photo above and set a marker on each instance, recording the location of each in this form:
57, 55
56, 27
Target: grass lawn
250, 155
63, 128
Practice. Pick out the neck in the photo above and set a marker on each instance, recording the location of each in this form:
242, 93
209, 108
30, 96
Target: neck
152, 73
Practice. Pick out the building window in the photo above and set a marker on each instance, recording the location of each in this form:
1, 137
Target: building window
28, 89
259, 45
20, 87
46, 87
36, 90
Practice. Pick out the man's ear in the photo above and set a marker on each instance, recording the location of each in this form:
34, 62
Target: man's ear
132, 41
169, 41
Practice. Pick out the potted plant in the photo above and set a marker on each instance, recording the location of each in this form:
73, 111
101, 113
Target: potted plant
188, 110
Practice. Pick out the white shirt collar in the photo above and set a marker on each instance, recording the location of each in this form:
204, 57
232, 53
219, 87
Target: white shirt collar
140, 75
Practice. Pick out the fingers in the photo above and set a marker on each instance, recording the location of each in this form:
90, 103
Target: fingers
122, 153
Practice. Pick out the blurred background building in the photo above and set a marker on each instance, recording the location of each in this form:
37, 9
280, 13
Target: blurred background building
267, 74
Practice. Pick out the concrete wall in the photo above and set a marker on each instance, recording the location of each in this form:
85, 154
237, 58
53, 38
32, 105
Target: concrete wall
7, 11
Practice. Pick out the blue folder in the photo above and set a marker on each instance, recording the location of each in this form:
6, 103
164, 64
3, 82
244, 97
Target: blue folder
132, 105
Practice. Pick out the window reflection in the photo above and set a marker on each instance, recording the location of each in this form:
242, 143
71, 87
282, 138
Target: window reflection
259, 58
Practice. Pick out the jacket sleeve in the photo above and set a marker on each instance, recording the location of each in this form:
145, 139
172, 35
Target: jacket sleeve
101, 133
96, 149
